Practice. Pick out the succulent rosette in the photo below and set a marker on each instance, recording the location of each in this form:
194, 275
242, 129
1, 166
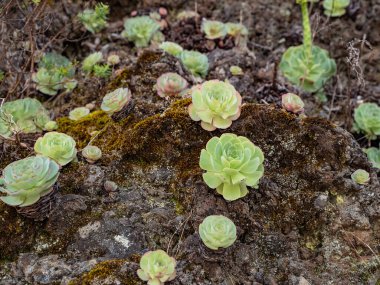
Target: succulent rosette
367, 120
232, 163
335, 8
26, 180
170, 84
157, 267
140, 30
91, 153
195, 62
360, 176
116, 100
373, 155
57, 146
78, 113
236, 29
292, 103
215, 103
217, 231
171, 48
213, 29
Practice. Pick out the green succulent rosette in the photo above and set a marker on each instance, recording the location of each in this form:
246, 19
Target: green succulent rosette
57, 146
140, 30
335, 8
78, 113
195, 62
236, 29
360, 176
309, 74
373, 155
116, 100
171, 48
367, 120
26, 180
232, 163
213, 29
91, 153
95, 20
157, 267
217, 231
215, 103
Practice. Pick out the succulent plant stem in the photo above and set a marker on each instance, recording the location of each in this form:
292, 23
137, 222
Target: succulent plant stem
307, 40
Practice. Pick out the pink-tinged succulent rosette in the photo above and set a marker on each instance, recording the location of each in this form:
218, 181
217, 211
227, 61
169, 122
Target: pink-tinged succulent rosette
216, 104
170, 84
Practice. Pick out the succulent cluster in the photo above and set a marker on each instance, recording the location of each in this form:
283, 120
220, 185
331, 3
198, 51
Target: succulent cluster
26, 180
335, 8
23, 115
57, 146
116, 100
367, 120
91, 153
170, 84
307, 66
215, 103
373, 155
171, 48
140, 30
78, 113
360, 176
217, 231
292, 103
55, 72
157, 267
232, 163
95, 20
92, 65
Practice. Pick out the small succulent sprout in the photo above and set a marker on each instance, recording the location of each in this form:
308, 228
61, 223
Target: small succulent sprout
90, 61
373, 155
215, 103
367, 120
170, 84
292, 103
95, 20
78, 113
309, 74
113, 59
236, 70
360, 176
232, 163
213, 29
195, 62
26, 180
55, 72
235, 30
171, 48
57, 146
22, 115
116, 100
51, 126
335, 8
217, 231
157, 267
140, 30
102, 70
91, 153
184, 15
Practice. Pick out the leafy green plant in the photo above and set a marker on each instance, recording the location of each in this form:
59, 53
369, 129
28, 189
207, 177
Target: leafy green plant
116, 100
102, 70
335, 8
367, 120
90, 61
232, 163
91, 153
217, 231
57, 146
157, 267
215, 103
292, 103
78, 113
213, 29
23, 115
140, 30
95, 20
307, 66
360, 176
28, 179
55, 72
195, 62
170, 84
373, 155
172, 48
